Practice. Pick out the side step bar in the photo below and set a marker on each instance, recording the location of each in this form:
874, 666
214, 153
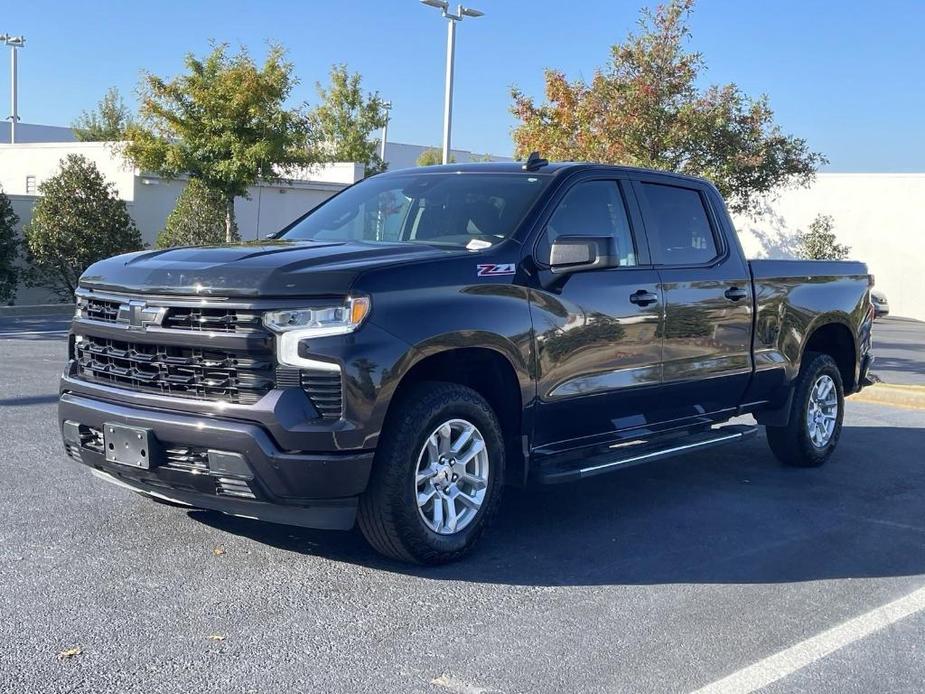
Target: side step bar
644, 452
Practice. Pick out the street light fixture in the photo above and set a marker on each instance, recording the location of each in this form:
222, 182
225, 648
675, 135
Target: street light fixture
13, 42
461, 12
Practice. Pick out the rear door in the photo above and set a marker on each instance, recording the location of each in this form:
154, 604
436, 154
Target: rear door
704, 282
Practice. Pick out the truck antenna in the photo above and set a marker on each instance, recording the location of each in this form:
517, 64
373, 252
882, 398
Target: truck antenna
534, 162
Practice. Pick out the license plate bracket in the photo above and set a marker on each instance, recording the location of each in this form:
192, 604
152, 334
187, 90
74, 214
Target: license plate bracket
128, 445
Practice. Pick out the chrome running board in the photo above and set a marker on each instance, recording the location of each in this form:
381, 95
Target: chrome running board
644, 452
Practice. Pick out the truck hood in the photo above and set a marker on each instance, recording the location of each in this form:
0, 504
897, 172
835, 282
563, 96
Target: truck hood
267, 269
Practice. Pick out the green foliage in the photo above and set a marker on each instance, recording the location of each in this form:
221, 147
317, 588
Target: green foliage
645, 108
432, 156
9, 250
345, 119
78, 220
197, 220
224, 122
819, 241
106, 123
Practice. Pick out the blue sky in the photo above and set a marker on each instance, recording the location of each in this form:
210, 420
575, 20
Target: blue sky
849, 76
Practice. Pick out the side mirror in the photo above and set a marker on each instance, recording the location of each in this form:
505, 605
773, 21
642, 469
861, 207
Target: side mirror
579, 253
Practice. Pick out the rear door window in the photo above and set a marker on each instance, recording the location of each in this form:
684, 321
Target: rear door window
682, 234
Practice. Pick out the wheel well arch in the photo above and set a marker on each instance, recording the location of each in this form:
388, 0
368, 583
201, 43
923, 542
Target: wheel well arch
491, 375
836, 340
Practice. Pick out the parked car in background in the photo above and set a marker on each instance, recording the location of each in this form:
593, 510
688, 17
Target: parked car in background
401, 352
881, 305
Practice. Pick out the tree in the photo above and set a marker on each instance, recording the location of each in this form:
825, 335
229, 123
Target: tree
224, 122
818, 242
197, 220
644, 108
107, 123
345, 119
78, 220
432, 156
9, 250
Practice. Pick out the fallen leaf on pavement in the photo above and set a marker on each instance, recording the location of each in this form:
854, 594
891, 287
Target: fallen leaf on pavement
219, 551
69, 653
216, 637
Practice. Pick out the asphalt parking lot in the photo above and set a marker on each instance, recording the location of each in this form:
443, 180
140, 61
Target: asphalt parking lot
899, 344
666, 577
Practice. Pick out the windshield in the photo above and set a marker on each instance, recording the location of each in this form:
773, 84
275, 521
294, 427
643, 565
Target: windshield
465, 210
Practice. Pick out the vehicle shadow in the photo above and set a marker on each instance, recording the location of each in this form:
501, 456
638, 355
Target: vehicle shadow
733, 515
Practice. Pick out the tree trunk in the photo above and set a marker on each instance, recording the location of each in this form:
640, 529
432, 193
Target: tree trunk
229, 220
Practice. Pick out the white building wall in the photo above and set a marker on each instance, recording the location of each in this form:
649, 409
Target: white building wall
399, 155
880, 216
150, 199
43, 160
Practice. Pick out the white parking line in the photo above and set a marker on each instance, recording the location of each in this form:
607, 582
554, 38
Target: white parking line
807, 652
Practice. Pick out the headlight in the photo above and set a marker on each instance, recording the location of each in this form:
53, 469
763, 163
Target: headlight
295, 325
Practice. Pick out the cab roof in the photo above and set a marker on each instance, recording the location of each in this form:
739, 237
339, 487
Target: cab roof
552, 168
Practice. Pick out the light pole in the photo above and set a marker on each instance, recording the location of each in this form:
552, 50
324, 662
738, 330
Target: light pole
461, 12
13, 42
387, 106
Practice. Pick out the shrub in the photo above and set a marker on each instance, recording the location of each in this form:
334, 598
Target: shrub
9, 250
819, 241
197, 220
78, 220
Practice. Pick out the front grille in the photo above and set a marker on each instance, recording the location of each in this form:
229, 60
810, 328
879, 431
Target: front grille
192, 372
90, 438
323, 388
189, 458
230, 486
99, 309
208, 319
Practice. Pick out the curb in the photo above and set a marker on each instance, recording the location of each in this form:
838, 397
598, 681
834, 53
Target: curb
37, 310
888, 394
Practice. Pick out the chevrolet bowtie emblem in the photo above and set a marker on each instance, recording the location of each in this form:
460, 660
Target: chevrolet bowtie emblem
138, 315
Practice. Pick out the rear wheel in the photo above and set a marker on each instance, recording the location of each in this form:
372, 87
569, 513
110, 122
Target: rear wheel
437, 475
816, 415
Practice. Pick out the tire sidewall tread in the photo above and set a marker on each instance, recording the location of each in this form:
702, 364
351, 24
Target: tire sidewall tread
388, 514
791, 443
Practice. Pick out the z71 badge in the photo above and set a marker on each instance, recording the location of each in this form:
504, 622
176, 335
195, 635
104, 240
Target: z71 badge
494, 269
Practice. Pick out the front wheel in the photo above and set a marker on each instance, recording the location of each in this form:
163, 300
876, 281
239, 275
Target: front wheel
437, 475
816, 415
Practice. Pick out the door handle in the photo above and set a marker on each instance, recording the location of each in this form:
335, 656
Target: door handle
735, 294
641, 297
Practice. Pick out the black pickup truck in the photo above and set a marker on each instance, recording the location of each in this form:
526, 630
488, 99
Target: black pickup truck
425, 337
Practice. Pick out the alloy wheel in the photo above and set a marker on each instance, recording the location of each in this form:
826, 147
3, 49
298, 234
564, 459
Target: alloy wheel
451, 478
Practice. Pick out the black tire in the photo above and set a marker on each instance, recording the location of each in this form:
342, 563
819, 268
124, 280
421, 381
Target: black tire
792, 444
388, 514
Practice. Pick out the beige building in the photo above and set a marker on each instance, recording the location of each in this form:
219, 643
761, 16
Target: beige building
149, 198
880, 216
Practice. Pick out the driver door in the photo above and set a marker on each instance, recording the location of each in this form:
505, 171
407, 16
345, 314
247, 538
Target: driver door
597, 339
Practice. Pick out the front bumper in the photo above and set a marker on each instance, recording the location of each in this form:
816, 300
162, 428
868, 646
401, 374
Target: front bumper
221, 464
